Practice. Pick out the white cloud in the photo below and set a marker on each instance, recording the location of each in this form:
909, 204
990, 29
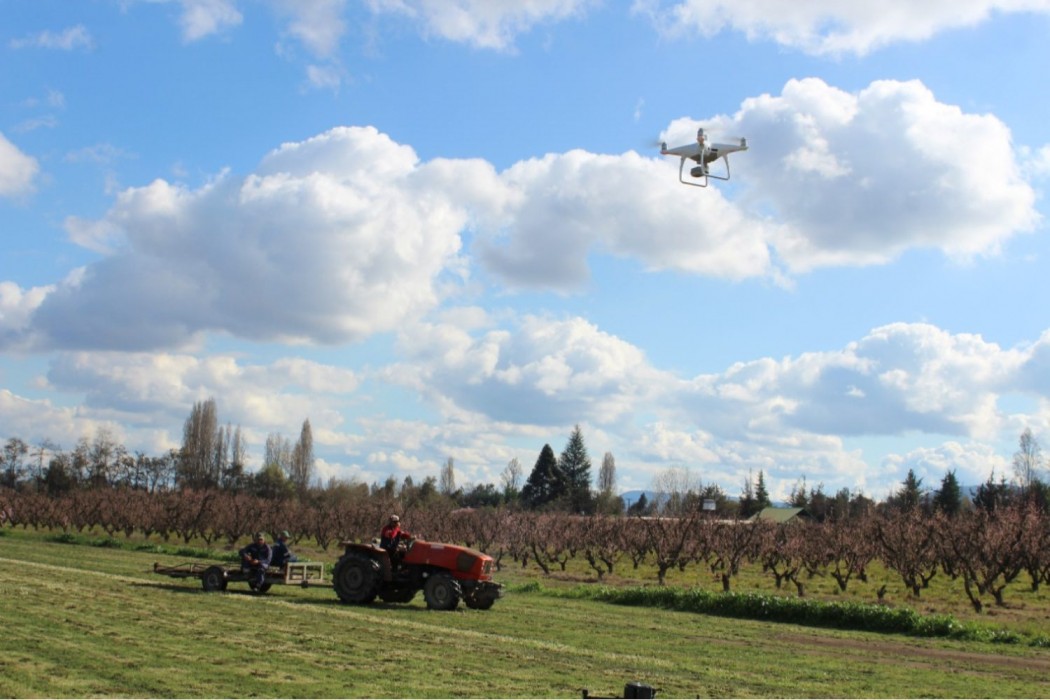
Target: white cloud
34, 420
201, 18
972, 463
559, 207
16, 309
831, 178
318, 24
541, 372
858, 178
159, 389
501, 381
68, 39
899, 378
331, 240
17, 170
487, 24
347, 234
828, 26
324, 77
1036, 162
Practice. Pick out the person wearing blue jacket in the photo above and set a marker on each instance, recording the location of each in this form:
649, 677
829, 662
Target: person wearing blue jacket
281, 554
255, 559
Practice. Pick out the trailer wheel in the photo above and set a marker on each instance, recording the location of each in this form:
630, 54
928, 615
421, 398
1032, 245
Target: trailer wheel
214, 579
262, 588
356, 579
442, 592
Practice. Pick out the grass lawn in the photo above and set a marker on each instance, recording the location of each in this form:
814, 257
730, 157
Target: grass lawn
92, 621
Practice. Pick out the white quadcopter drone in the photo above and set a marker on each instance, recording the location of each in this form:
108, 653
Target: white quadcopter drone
703, 153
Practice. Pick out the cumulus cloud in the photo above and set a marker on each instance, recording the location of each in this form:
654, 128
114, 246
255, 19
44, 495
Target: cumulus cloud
331, 240
348, 234
17, 170
541, 372
503, 380
821, 27
899, 378
487, 24
790, 417
857, 178
560, 207
830, 178
159, 388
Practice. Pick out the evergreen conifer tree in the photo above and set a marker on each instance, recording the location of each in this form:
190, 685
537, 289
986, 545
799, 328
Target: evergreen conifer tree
546, 484
576, 466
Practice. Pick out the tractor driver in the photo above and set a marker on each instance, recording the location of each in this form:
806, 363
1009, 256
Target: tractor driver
255, 558
392, 534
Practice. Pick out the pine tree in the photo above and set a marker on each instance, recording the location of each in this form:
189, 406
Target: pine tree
949, 498
546, 484
761, 494
576, 466
992, 494
910, 495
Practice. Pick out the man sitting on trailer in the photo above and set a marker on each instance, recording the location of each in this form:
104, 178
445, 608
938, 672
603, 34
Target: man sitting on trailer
255, 558
281, 554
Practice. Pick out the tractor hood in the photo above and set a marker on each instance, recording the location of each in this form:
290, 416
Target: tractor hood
463, 562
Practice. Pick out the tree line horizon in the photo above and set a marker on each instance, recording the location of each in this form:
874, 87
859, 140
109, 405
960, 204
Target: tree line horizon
213, 456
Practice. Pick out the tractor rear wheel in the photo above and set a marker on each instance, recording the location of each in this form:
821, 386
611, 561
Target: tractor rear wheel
214, 579
442, 592
356, 579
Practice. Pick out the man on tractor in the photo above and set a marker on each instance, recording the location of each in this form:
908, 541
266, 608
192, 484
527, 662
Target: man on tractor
391, 536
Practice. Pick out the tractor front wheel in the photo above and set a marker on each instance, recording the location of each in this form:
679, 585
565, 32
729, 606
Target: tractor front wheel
442, 592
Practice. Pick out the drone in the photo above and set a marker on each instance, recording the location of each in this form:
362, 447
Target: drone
703, 153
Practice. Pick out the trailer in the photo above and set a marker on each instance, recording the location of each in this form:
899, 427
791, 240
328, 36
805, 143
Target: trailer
215, 577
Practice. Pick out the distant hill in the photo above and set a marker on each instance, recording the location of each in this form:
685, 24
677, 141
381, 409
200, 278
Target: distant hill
631, 497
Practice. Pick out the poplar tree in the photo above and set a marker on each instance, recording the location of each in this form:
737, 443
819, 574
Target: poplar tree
301, 465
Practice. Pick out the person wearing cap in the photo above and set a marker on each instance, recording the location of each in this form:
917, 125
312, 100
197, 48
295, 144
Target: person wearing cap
281, 554
392, 534
255, 558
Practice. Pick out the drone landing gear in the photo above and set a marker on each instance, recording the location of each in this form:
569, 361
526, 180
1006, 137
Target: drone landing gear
701, 172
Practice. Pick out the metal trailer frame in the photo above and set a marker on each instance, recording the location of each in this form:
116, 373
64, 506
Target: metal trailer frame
215, 577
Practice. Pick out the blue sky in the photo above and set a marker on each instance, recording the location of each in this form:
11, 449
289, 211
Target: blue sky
443, 229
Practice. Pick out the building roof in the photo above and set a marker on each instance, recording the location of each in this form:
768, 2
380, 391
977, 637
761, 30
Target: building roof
781, 515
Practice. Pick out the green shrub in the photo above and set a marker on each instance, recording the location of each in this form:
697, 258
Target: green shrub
800, 611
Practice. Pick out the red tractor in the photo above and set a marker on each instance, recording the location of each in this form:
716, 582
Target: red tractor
446, 573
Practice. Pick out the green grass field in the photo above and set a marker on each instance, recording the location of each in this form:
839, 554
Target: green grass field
93, 621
